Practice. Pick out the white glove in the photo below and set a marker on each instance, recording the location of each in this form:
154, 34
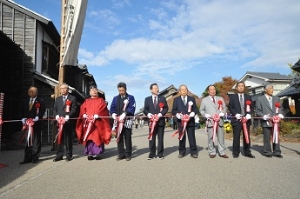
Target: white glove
197, 119
36, 119
178, 115
159, 115
248, 116
24, 120
114, 116
149, 115
96, 116
122, 116
207, 116
280, 116
67, 118
221, 114
192, 114
85, 116
238, 116
266, 117
57, 117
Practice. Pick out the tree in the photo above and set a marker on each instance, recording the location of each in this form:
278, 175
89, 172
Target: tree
223, 87
294, 73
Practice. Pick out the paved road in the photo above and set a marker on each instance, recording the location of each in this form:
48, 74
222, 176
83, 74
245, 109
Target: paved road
141, 178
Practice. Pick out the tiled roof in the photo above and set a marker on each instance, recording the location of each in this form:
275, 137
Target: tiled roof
269, 75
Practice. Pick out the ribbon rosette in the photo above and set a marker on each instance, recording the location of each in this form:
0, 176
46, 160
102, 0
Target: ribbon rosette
277, 105
153, 121
28, 126
276, 130
216, 119
68, 105
245, 130
161, 106
60, 123
126, 101
190, 106
184, 120
88, 124
37, 106
248, 103
220, 107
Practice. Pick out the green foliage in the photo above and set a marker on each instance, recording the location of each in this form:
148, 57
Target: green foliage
287, 127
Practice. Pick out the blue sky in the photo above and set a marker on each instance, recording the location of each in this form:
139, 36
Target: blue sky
192, 42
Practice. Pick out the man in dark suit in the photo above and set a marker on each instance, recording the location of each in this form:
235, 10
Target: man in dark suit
156, 106
65, 106
33, 107
239, 108
123, 105
266, 108
183, 105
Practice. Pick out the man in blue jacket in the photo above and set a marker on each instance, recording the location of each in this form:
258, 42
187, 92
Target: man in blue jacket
122, 106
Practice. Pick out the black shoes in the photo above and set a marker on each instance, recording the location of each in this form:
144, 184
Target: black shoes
128, 158
69, 159
180, 156
194, 155
278, 155
120, 158
249, 155
57, 159
90, 157
235, 155
24, 162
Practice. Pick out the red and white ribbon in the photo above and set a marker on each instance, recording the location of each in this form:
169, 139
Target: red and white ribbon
89, 123
248, 103
216, 119
245, 129
60, 123
37, 106
276, 129
120, 125
184, 120
68, 105
28, 126
220, 107
153, 122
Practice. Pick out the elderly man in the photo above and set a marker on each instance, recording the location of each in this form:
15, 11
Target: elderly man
123, 105
93, 126
269, 108
213, 108
185, 109
65, 107
33, 109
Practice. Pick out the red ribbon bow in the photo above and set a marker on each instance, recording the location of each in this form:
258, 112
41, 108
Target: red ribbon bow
248, 103
60, 123
184, 120
153, 122
68, 105
276, 129
161, 106
277, 105
28, 126
245, 130
37, 106
88, 123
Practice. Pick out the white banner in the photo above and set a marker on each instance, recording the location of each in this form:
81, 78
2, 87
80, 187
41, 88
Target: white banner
75, 15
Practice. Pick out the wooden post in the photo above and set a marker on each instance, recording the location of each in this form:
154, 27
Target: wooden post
61, 72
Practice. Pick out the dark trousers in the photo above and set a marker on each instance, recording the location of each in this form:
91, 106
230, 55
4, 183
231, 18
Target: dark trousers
159, 131
237, 129
192, 141
68, 138
32, 153
125, 134
267, 131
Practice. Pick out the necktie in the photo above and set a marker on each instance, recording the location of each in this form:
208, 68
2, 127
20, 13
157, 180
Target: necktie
270, 102
64, 99
242, 105
31, 104
213, 98
184, 101
155, 102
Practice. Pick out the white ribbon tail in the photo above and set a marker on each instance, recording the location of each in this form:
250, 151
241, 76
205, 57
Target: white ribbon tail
88, 130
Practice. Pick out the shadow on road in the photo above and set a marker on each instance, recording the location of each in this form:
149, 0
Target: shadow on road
296, 151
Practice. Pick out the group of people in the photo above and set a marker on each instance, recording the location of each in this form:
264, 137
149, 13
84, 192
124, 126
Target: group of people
94, 129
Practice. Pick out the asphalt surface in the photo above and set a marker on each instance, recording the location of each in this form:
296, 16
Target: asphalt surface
171, 177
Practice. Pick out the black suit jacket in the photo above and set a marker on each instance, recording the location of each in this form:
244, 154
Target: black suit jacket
60, 107
235, 108
149, 108
33, 112
179, 107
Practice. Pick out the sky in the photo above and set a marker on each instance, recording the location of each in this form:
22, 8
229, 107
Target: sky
192, 42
